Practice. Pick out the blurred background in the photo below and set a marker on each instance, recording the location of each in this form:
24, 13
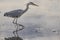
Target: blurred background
41, 23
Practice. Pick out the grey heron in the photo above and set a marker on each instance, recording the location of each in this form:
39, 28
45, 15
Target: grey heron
17, 13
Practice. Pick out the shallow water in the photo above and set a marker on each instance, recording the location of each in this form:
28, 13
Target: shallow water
41, 23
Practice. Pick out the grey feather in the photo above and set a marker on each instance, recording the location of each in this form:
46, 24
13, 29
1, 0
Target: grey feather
14, 13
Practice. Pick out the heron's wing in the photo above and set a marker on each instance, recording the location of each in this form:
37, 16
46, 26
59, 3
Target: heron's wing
14, 13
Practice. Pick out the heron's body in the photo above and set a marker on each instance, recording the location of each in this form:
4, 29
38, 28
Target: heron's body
14, 13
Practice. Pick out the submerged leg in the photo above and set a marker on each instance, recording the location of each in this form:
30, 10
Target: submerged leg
21, 26
15, 21
15, 32
17, 27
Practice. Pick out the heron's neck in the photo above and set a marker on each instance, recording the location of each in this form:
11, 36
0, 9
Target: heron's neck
27, 7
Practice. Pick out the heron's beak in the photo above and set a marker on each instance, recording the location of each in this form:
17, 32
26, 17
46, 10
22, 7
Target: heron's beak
35, 4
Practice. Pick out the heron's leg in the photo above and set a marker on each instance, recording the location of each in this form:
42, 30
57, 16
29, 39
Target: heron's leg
16, 31
17, 25
21, 26
16, 28
16, 20
13, 20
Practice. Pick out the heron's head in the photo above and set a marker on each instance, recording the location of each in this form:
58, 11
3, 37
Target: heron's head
31, 3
